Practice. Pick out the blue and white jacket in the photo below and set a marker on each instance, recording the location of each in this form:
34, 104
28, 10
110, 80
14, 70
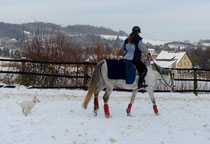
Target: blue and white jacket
134, 50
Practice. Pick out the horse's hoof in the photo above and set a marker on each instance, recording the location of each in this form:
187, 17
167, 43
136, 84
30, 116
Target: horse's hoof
157, 113
129, 114
95, 112
108, 116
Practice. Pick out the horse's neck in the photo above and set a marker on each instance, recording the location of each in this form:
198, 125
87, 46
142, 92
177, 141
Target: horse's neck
152, 74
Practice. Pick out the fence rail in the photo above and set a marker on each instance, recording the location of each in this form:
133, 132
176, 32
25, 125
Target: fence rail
86, 77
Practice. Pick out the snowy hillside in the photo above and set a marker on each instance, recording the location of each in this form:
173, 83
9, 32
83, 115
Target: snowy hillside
60, 119
153, 42
112, 37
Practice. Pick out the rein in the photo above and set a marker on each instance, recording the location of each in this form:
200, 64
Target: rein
165, 84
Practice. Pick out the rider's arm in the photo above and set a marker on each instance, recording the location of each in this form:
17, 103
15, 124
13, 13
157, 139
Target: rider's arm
122, 45
142, 48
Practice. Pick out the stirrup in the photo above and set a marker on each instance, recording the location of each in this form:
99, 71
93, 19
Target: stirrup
142, 85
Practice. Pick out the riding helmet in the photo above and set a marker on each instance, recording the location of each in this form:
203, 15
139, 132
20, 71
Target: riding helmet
136, 29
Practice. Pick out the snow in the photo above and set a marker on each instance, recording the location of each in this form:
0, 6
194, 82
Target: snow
206, 44
167, 58
113, 37
177, 46
165, 64
153, 42
26, 32
171, 55
60, 119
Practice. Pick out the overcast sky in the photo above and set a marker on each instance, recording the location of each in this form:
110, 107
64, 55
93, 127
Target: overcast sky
158, 19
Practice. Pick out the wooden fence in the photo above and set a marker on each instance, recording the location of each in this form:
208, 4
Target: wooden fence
195, 75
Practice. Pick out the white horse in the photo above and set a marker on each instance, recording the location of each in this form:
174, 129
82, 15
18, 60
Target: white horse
100, 80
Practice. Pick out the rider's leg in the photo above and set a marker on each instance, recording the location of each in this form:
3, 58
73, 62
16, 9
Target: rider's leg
141, 79
142, 69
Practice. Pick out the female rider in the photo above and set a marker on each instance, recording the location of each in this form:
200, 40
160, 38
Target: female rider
134, 48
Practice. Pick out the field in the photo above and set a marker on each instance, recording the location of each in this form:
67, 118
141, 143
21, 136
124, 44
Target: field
60, 119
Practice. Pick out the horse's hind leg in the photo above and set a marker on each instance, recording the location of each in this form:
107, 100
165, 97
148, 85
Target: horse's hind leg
128, 110
96, 93
106, 99
151, 94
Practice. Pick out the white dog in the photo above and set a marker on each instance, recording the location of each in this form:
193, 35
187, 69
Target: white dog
28, 105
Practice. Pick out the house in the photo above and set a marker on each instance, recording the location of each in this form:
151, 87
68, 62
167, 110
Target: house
173, 59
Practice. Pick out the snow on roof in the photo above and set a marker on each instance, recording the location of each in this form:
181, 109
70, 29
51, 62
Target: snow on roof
170, 56
165, 64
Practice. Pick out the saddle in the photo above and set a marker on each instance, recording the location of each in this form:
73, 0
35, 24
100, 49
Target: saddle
121, 69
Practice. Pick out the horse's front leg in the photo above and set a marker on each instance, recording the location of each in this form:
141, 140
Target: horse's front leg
151, 94
128, 110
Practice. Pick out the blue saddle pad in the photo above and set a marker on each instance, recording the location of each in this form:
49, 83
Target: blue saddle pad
121, 69
130, 72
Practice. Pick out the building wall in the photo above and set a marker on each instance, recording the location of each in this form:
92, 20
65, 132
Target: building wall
185, 62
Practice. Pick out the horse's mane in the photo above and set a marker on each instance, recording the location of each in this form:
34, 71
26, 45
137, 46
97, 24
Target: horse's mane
162, 70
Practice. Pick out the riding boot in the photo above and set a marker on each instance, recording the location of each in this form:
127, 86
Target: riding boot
141, 83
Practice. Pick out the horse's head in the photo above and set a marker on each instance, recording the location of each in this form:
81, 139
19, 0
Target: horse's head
165, 76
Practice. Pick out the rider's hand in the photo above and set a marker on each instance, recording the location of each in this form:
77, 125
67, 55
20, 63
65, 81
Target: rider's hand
149, 57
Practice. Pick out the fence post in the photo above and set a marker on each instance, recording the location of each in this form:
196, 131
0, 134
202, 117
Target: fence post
23, 65
86, 75
195, 82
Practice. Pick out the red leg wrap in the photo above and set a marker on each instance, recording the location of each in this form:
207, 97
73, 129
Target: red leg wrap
128, 110
106, 110
155, 109
96, 106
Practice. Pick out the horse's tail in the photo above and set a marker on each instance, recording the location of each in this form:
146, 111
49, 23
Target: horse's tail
93, 83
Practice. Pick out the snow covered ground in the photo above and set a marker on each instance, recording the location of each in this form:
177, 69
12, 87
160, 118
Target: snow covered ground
60, 119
